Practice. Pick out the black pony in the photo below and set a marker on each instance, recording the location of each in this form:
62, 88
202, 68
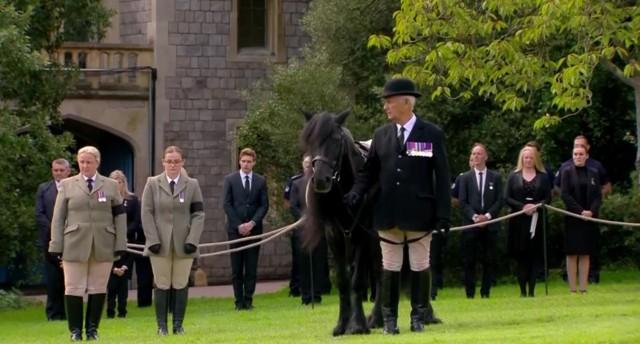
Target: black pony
356, 251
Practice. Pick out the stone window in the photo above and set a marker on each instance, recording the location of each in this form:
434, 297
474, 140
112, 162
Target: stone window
257, 32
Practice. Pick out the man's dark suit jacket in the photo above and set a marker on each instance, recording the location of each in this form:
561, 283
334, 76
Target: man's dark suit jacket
45, 201
414, 190
240, 207
470, 203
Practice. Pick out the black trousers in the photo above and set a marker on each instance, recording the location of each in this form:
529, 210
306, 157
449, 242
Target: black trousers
478, 246
294, 281
117, 289
312, 267
144, 279
55, 291
436, 261
244, 269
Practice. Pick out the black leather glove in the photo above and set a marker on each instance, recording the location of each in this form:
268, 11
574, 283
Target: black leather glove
443, 226
122, 253
54, 257
155, 248
351, 199
189, 248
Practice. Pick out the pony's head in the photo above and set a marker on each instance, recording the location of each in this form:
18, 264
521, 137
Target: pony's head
324, 139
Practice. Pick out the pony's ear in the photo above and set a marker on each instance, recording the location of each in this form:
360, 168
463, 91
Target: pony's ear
307, 115
342, 117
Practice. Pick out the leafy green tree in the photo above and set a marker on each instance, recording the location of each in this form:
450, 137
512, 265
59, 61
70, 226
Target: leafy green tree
517, 52
31, 90
52, 23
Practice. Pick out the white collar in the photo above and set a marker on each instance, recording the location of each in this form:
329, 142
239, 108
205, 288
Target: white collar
407, 126
243, 175
174, 180
483, 171
92, 178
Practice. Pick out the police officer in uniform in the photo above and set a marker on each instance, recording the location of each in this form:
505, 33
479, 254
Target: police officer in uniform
408, 160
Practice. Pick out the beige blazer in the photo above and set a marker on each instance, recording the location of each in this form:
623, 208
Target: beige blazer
88, 223
172, 220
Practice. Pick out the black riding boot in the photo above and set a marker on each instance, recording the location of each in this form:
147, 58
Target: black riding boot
390, 295
73, 306
94, 313
179, 308
162, 303
419, 296
429, 315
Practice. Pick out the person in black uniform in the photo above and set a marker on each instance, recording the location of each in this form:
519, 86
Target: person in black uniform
605, 183
135, 235
481, 200
312, 265
408, 160
45, 200
118, 285
581, 193
294, 281
245, 204
527, 186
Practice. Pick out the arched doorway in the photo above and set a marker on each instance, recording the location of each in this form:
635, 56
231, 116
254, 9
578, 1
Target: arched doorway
116, 153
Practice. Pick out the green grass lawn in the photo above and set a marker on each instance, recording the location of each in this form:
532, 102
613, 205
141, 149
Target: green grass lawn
609, 313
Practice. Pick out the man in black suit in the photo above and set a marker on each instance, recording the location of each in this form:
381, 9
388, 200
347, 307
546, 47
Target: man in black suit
45, 201
408, 161
245, 204
480, 201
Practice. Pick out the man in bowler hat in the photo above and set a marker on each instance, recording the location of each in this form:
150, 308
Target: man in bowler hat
408, 160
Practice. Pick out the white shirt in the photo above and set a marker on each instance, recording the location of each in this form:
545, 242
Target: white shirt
92, 178
243, 175
483, 183
174, 180
407, 127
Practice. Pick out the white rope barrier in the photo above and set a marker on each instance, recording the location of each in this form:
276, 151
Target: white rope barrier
606, 222
280, 231
498, 219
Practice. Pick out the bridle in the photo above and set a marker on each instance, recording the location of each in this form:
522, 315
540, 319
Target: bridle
335, 165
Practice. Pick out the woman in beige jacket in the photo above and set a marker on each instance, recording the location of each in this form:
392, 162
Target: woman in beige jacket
173, 220
88, 232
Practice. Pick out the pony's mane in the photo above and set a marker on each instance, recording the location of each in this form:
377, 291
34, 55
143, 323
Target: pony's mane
317, 130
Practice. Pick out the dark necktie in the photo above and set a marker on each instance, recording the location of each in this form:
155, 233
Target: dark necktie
172, 186
480, 189
247, 185
90, 184
401, 139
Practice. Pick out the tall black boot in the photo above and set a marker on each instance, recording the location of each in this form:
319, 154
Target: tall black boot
429, 315
73, 306
419, 296
390, 296
162, 308
95, 304
180, 299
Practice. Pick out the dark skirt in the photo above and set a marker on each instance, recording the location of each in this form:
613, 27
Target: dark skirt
519, 241
581, 237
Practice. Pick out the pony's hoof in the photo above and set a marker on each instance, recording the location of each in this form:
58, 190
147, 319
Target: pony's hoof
338, 331
374, 322
358, 330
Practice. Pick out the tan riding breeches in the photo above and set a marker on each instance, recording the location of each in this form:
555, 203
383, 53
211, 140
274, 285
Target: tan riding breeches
392, 255
90, 277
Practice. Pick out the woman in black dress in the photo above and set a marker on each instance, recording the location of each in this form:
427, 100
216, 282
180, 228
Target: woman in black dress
527, 186
581, 194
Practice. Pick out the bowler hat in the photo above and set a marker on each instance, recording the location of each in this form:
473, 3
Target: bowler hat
400, 86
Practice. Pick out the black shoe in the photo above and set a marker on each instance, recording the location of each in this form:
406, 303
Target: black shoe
417, 326
162, 331
76, 335
294, 292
